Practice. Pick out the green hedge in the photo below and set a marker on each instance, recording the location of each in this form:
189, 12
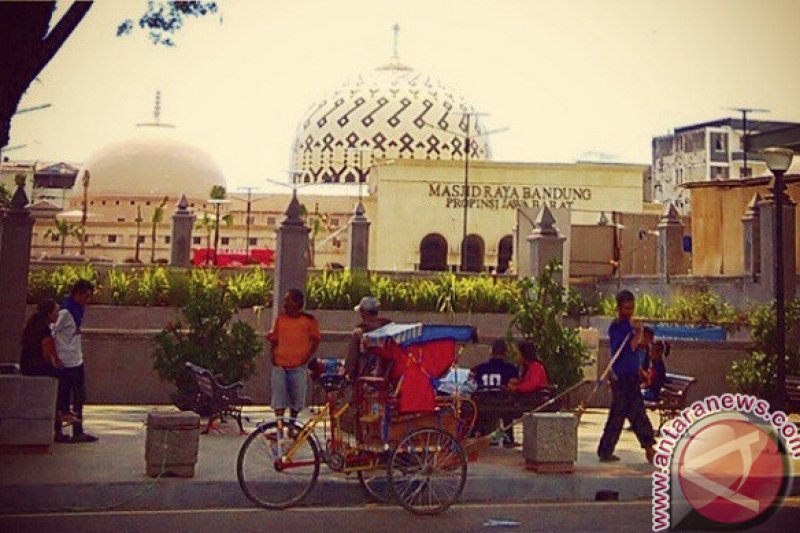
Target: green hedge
160, 286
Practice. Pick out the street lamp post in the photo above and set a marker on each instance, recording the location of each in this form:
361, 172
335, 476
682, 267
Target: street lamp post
248, 218
85, 212
778, 160
217, 203
468, 137
466, 197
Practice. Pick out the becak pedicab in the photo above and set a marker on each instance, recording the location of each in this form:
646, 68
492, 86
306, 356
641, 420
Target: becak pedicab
407, 446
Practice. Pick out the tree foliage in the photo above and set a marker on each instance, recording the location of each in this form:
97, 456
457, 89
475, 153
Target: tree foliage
155, 220
63, 229
210, 337
538, 313
27, 44
163, 19
756, 374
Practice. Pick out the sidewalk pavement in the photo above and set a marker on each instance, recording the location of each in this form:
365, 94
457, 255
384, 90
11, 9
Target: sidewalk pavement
110, 473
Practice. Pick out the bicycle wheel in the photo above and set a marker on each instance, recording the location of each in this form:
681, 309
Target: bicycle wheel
427, 471
274, 473
376, 483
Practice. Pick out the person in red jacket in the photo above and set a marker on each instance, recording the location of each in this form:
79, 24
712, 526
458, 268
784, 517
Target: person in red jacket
534, 377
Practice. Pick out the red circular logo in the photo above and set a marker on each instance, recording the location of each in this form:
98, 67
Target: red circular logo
732, 471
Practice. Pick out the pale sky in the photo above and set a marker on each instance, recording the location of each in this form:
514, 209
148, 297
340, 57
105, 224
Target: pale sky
566, 77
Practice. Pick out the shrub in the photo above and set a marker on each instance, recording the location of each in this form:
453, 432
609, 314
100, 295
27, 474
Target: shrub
337, 290
538, 309
179, 281
211, 338
39, 287
56, 284
756, 374
120, 287
153, 286
701, 306
251, 288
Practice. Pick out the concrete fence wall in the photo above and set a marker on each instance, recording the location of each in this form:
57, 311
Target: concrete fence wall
119, 366
738, 291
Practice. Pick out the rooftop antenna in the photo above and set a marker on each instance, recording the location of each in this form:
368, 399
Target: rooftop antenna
744, 172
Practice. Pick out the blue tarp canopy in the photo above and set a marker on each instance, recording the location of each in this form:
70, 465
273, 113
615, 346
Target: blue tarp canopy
408, 334
436, 332
673, 332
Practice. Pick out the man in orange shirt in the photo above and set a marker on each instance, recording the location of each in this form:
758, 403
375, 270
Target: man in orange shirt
294, 339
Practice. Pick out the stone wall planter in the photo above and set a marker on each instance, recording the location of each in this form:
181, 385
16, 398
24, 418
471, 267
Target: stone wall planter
172, 442
27, 412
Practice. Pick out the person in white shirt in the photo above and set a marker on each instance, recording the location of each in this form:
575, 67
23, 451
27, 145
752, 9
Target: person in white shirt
67, 336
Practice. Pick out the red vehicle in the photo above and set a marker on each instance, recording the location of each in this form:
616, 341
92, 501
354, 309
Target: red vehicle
229, 258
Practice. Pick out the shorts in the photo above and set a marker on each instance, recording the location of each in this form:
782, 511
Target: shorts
289, 388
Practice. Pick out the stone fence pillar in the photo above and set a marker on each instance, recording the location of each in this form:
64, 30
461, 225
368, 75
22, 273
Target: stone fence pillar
545, 244
359, 239
182, 225
767, 218
670, 243
291, 255
16, 226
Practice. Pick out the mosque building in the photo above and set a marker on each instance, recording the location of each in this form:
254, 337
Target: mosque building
413, 150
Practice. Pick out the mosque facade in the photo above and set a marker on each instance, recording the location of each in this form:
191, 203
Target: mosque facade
414, 151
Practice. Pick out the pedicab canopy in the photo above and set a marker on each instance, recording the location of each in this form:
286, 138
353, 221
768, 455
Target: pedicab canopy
420, 355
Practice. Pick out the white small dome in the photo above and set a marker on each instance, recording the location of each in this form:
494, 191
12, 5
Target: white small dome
154, 162
394, 113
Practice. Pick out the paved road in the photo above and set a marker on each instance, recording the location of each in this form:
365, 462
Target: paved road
621, 516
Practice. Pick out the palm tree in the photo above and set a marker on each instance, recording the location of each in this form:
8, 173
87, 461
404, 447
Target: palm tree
62, 230
208, 224
218, 192
317, 222
138, 221
158, 217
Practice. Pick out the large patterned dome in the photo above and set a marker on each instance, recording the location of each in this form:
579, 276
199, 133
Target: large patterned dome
393, 112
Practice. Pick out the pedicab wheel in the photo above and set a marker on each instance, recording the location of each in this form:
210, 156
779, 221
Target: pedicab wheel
376, 484
277, 473
427, 471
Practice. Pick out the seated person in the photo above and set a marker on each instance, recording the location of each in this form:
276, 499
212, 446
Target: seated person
534, 378
655, 371
361, 361
643, 350
495, 375
497, 372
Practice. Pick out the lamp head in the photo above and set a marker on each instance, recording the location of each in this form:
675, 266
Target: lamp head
777, 159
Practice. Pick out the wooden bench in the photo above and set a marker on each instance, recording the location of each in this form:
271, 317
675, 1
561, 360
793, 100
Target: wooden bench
216, 398
496, 404
672, 398
793, 394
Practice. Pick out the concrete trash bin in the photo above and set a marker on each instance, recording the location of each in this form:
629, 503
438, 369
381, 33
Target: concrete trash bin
550, 442
173, 439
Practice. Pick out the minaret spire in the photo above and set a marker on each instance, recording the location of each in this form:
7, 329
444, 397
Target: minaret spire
394, 63
157, 109
395, 49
